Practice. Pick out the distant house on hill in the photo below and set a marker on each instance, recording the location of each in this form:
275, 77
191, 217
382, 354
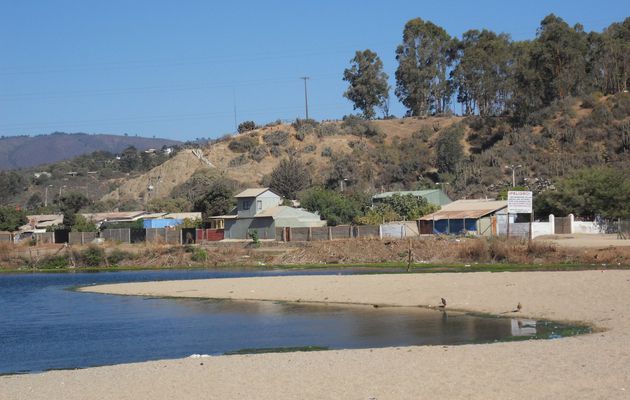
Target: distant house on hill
481, 217
434, 196
260, 210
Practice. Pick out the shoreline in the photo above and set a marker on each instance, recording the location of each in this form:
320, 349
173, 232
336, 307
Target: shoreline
585, 366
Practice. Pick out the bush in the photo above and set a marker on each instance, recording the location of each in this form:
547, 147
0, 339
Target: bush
199, 255
275, 151
246, 126
277, 138
304, 124
474, 250
117, 255
54, 262
328, 129
327, 152
238, 161
258, 153
601, 115
93, 256
589, 101
357, 126
243, 144
310, 148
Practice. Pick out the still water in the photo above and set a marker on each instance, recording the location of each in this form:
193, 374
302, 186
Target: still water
43, 325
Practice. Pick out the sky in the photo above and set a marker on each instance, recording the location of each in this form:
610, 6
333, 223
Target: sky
191, 69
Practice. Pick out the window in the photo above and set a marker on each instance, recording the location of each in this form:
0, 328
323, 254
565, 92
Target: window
246, 204
258, 205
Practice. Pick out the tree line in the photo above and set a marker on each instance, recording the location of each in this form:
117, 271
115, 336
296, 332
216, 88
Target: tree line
488, 73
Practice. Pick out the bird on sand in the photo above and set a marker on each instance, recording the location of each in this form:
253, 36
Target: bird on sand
443, 305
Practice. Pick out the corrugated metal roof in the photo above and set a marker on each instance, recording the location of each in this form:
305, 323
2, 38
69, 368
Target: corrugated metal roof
286, 212
253, 192
466, 209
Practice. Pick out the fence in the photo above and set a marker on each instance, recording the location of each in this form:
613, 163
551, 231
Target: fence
164, 235
81, 237
122, 235
45, 237
209, 235
327, 233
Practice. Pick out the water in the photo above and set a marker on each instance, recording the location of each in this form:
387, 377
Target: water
45, 326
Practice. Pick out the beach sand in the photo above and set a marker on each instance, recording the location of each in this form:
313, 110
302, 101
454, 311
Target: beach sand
593, 366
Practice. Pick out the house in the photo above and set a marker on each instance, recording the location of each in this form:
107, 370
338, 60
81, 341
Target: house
434, 196
39, 223
481, 217
260, 210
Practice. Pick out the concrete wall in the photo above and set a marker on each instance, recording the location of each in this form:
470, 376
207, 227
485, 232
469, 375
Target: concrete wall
81, 237
399, 229
117, 235
239, 228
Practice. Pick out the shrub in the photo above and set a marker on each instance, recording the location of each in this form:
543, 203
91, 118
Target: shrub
238, 161
246, 126
300, 135
258, 153
474, 250
328, 129
355, 125
199, 255
275, 151
310, 148
54, 262
589, 101
277, 138
117, 255
304, 124
93, 256
601, 115
327, 152
243, 144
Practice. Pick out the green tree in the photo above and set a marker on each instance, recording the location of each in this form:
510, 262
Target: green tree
559, 56
483, 74
81, 224
609, 57
424, 58
409, 207
588, 193
332, 206
11, 183
449, 149
70, 204
368, 87
11, 219
379, 214
218, 200
130, 159
290, 177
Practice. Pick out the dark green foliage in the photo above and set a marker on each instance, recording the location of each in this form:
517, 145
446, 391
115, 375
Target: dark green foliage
130, 160
69, 205
588, 193
290, 177
246, 126
218, 199
11, 219
327, 152
54, 262
199, 255
11, 184
367, 83
331, 205
93, 256
449, 151
83, 225
409, 207
243, 144
117, 256
424, 58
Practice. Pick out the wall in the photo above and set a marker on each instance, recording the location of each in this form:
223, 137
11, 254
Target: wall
117, 235
399, 229
81, 237
239, 228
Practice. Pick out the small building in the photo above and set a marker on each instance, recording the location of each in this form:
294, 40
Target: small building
480, 217
436, 197
39, 223
260, 210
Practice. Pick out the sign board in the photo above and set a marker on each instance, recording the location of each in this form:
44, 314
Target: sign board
519, 202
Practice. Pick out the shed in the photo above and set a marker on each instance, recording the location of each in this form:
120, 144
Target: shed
477, 216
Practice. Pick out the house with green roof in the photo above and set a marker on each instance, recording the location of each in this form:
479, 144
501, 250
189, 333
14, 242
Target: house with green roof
433, 196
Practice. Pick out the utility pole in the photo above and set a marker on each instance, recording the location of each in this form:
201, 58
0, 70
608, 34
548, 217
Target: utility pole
234, 101
513, 168
305, 94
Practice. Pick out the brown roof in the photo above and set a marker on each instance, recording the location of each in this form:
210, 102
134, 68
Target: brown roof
466, 209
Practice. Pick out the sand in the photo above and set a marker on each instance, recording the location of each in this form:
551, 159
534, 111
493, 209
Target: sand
594, 366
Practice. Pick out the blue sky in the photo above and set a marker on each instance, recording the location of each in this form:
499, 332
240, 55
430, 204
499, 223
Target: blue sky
177, 69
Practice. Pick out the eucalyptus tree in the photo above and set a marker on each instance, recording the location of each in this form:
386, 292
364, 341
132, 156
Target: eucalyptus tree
367, 83
609, 57
424, 59
483, 74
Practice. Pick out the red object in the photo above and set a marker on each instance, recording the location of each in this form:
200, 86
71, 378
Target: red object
210, 235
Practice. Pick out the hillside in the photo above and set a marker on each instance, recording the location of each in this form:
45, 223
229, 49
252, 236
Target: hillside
30, 151
468, 156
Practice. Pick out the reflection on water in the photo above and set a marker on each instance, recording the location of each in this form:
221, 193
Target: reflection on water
43, 326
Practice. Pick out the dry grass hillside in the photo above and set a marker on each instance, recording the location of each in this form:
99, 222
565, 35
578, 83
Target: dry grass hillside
402, 153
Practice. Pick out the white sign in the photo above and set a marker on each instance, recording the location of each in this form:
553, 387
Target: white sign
519, 202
